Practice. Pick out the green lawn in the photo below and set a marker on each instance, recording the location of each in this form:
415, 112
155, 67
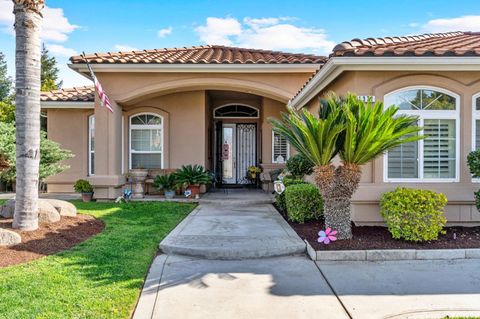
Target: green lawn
100, 278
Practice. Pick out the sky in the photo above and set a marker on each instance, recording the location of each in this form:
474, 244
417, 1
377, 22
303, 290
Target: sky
73, 26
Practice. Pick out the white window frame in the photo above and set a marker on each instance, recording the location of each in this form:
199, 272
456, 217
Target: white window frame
475, 117
236, 117
90, 151
428, 115
142, 126
273, 153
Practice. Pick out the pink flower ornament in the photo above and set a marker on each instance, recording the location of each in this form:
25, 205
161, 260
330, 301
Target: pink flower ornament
327, 236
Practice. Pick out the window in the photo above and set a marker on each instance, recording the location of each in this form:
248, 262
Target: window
436, 157
280, 149
235, 111
476, 122
91, 145
146, 141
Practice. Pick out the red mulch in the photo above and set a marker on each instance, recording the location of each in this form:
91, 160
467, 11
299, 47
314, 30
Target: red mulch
376, 237
49, 238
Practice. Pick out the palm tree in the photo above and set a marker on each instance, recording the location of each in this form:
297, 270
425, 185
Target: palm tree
357, 132
28, 20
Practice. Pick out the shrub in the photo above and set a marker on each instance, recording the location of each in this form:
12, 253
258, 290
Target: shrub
299, 166
192, 175
83, 186
280, 198
473, 161
413, 214
304, 202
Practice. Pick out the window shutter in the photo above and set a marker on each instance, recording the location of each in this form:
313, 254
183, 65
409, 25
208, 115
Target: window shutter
280, 148
439, 149
403, 161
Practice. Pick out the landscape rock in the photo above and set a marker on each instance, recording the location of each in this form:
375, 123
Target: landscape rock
64, 208
7, 209
8, 238
47, 214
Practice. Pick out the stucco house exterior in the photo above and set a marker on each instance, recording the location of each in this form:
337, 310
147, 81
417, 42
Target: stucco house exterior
193, 105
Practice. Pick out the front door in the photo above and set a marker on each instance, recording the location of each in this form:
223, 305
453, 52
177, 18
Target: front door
238, 151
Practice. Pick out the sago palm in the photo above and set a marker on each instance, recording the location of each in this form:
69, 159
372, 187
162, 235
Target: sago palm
357, 132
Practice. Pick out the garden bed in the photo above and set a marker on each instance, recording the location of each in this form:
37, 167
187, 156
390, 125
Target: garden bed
377, 237
49, 238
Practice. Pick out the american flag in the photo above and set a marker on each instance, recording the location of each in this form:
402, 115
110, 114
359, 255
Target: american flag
98, 87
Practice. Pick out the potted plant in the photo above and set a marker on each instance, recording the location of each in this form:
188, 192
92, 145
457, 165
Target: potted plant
85, 188
191, 177
167, 183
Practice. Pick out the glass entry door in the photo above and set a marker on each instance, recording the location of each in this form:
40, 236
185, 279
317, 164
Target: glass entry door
237, 152
228, 152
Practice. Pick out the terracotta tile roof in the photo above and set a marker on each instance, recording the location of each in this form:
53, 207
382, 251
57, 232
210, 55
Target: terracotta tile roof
433, 44
76, 94
208, 54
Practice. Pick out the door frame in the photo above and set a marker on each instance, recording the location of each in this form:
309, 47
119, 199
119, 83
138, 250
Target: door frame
233, 179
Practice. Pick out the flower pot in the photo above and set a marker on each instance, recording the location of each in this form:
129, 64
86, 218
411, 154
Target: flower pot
87, 197
138, 176
195, 190
169, 194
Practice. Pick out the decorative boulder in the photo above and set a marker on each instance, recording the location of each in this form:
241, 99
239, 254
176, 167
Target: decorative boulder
64, 208
8, 238
7, 209
47, 214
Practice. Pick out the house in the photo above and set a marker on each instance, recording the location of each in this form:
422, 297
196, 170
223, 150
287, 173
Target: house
209, 105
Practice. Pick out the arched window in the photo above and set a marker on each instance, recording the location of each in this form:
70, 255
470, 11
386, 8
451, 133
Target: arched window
146, 141
235, 111
436, 157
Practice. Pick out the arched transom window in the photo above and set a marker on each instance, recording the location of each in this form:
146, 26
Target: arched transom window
235, 111
434, 158
146, 141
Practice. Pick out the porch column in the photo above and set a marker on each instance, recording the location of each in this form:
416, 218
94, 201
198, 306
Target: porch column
108, 179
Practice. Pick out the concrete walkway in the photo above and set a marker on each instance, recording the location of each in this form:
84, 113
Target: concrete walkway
218, 263
234, 226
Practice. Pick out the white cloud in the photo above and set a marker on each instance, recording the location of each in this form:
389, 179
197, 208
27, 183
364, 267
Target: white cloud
264, 33
123, 47
56, 26
162, 33
219, 30
60, 50
463, 23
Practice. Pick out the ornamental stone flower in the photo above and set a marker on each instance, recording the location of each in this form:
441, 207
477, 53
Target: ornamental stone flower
327, 236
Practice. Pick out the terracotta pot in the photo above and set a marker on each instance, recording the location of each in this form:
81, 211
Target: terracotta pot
195, 190
87, 197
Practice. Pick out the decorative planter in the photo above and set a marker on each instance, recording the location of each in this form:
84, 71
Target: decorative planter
138, 176
87, 197
195, 191
169, 194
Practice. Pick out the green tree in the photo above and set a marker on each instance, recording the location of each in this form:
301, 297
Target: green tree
49, 73
7, 107
51, 155
357, 132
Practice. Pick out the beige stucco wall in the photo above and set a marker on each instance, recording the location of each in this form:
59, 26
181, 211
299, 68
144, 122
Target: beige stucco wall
69, 128
460, 194
181, 99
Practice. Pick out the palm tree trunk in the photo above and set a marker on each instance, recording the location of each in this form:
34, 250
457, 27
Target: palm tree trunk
28, 20
337, 186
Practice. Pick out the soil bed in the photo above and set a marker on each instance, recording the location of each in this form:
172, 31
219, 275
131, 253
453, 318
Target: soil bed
376, 237
49, 238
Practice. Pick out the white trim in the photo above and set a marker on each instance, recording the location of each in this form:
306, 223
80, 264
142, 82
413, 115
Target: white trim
130, 125
336, 65
90, 152
123, 144
66, 105
475, 117
194, 68
273, 153
428, 115
237, 117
